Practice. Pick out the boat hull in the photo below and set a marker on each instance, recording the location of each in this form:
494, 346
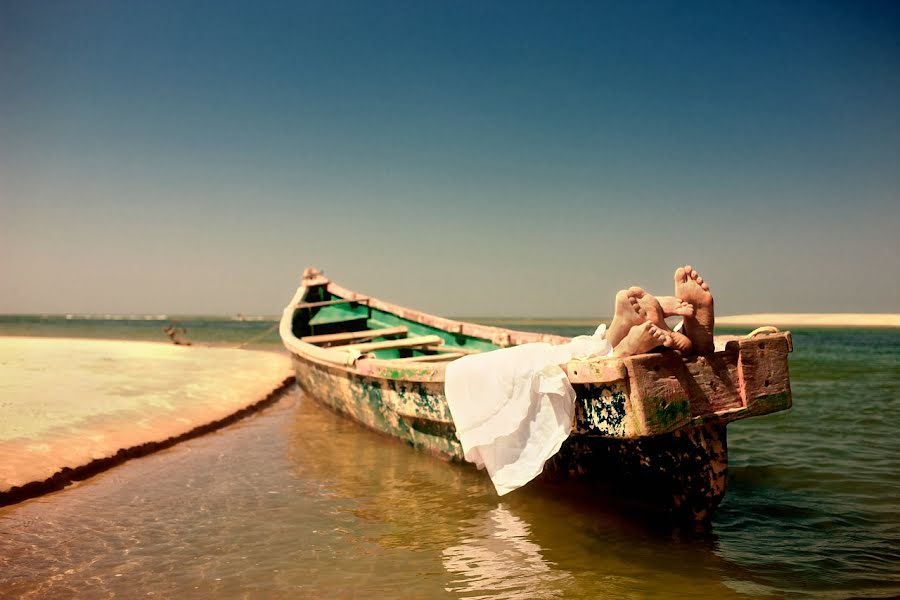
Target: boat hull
649, 429
371, 402
682, 474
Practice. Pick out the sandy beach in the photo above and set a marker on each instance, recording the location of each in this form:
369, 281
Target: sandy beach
72, 405
812, 320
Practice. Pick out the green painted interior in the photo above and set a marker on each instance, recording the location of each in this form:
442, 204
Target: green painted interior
338, 313
333, 315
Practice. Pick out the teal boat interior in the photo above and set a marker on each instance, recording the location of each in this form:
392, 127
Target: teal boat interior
326, 319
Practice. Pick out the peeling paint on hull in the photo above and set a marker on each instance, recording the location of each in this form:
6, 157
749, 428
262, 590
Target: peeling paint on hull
369, 401
682, 473
648, 428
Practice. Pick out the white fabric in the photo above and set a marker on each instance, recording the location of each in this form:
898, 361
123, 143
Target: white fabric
513, 408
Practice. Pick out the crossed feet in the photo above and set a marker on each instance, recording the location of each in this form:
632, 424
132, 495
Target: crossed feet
639, 325
690, 287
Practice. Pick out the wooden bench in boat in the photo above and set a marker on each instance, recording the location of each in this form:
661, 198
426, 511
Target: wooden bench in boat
453, 349
331, 303
413, 342
337, 339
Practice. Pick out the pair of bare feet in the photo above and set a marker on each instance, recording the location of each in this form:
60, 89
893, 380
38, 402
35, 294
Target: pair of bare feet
639, 325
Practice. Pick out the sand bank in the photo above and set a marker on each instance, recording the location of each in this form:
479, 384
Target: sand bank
813, 320
72, 407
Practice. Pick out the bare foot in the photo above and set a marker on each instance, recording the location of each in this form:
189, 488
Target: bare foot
648, 307
690, 287
675, 307
624, 319
642, 339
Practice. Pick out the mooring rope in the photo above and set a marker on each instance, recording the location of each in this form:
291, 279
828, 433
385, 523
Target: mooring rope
259, 335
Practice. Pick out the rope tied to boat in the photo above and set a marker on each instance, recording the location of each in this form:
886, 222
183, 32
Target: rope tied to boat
258, 336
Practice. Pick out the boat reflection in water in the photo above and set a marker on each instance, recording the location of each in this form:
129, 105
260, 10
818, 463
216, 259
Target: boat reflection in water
435, 523
496, 554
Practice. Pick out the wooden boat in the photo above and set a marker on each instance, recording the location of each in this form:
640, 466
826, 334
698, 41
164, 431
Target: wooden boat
649, 429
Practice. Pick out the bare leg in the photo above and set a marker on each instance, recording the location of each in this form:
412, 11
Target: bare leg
624, 319
690, 287
648, 307
642, 339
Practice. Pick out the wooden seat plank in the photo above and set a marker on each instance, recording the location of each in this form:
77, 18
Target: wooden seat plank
364, 301
335, 339
413, 342
454, 349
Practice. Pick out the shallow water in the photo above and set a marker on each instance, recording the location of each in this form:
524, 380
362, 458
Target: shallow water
200, 330
298, 502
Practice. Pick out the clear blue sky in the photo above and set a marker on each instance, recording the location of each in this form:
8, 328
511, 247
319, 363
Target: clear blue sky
461, 157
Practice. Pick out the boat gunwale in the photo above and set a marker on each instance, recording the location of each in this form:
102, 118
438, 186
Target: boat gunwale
490, 333
375, 367
388, 369
596, 370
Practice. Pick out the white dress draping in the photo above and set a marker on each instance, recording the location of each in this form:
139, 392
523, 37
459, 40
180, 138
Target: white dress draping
513, 408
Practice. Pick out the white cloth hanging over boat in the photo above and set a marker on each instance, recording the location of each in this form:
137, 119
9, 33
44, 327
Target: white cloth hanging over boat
513, 408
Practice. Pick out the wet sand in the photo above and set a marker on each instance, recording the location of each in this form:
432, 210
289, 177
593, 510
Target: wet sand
813, 320
73, 407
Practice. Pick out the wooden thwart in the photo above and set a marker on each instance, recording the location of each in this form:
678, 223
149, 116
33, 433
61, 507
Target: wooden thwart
413, 342
332, 303
454, 349
335, 339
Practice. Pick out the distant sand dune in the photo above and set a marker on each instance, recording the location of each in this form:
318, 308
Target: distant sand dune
813, 320
754, 320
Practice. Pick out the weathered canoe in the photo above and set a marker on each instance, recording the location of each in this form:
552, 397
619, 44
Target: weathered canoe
650, 427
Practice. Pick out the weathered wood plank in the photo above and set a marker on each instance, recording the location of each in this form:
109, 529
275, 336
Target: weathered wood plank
657, 392
331, 303
602, 370
763, 374
413, 372
711, 382
413, 342
335, 339
454, 349
431, 358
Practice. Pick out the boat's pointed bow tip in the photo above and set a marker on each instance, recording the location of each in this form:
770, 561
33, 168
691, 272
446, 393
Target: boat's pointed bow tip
313, 276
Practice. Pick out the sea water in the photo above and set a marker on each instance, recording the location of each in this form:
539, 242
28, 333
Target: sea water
299, 502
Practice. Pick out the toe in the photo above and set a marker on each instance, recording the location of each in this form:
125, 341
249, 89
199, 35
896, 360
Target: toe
705, 287
667, 340
680, 275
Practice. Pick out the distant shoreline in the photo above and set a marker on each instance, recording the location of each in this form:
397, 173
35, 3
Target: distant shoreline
814, 319
872, 320
869, 320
